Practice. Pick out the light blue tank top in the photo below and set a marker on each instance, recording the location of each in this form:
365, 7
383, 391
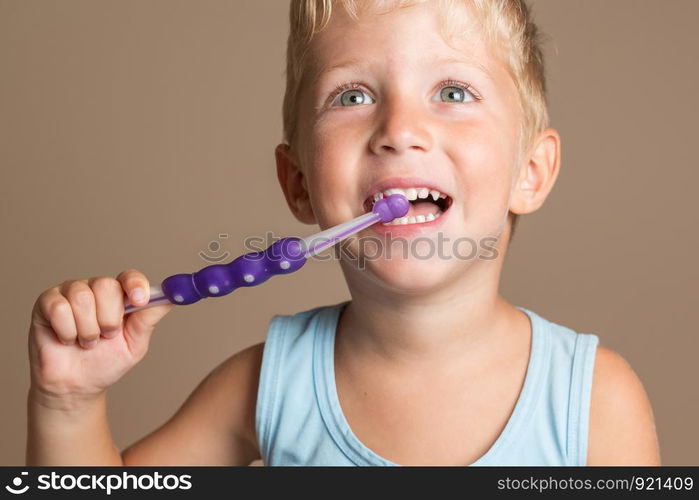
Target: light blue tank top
299, 420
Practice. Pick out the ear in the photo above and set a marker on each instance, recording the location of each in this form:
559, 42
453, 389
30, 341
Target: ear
293, 184
537, 173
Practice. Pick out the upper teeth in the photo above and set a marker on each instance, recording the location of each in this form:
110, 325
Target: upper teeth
412, 193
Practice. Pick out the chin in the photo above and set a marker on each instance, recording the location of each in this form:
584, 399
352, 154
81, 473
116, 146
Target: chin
411, 275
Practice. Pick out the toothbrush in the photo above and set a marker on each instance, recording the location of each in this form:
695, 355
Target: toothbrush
282, 257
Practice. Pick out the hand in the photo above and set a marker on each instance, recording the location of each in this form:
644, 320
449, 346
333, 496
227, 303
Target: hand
80, 343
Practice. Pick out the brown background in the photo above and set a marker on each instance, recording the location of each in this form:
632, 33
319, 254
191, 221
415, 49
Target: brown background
134, 132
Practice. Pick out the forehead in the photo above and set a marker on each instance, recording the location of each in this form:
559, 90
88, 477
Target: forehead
415, 35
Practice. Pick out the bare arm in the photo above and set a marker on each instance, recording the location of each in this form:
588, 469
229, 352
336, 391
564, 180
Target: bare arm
622, 428
215, 425
68, 433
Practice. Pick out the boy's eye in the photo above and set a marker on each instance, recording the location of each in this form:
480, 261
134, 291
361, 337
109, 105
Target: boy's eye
355, 96
450, 92
456, 94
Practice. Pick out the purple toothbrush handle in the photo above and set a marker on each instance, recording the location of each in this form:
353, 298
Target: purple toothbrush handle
282, 257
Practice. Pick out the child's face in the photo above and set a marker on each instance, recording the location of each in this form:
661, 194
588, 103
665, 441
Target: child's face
402, 126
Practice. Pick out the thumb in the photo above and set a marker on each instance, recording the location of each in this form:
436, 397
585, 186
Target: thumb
139, 325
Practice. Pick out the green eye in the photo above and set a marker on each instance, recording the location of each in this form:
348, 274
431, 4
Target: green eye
455, 94
355, 96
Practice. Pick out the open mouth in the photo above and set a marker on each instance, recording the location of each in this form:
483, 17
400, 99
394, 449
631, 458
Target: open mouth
426, 204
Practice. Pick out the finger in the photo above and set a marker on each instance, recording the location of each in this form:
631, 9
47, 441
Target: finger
109, 303
82, 301
139, 325
53, 310
135, 285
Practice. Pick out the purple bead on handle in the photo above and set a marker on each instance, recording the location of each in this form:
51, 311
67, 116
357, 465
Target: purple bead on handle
282, 257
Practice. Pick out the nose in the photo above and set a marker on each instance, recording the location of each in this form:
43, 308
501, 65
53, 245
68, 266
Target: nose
402, 127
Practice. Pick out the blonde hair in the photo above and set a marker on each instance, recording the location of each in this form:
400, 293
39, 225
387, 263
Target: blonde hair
506, 26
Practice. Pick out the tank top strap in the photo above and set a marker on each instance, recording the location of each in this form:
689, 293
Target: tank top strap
584, 353
286, 379
562, 421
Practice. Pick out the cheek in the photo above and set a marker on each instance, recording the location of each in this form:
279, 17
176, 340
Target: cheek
332, 175
340, 131
332, 161
485, 167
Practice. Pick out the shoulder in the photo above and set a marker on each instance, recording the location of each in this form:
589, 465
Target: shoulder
622, 428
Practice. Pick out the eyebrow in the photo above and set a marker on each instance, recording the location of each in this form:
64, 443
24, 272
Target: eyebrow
354, 63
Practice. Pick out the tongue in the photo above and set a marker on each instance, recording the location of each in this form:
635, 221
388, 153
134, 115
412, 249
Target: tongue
421, 208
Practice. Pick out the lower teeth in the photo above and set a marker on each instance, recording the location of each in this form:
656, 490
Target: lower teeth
413, 220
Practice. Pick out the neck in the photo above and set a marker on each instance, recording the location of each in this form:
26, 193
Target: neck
464, 319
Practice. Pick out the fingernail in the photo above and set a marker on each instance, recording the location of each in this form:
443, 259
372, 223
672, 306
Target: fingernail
138, 295
110, 334
90, 344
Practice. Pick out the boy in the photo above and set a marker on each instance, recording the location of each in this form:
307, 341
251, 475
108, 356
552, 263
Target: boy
427, 364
